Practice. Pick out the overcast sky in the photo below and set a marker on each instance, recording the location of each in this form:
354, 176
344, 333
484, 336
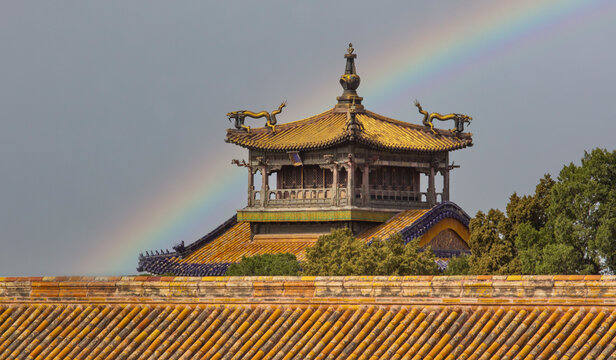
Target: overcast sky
107, 107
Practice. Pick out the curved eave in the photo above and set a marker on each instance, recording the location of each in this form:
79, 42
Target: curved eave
377, 145
328, 129
362, 139
309, 146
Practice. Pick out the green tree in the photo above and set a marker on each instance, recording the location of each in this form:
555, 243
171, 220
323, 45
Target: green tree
567, 227
265, 265
393, 257
492, 248
494, 240
580, 234
334, 254
339, 253
458, 265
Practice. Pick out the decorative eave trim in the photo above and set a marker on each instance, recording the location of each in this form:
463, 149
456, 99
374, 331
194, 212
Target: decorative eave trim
358, 139
184, 251
168, 266
444, 210
153, 262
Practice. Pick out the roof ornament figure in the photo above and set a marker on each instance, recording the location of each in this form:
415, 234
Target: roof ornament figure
459, 119
240, 115
349, 82
353, 125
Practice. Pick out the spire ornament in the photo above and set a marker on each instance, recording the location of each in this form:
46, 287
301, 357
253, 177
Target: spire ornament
353, 125
349, 82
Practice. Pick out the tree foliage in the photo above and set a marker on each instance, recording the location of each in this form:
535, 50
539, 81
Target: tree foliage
580, 233
567, 227
265, 265
492, 248
458, 265
339, 254
493, 235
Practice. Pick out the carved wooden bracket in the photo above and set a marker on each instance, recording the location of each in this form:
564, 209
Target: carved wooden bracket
239, 163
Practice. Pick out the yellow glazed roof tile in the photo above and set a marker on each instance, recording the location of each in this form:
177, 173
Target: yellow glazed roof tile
393, 225
329, 128
236, 242
212, 254
349, 325
290, 330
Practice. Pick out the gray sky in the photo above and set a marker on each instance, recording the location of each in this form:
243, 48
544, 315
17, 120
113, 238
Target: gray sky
110, 109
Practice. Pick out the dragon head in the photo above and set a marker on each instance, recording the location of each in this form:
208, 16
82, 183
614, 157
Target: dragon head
464, 118
460, 120
235, 114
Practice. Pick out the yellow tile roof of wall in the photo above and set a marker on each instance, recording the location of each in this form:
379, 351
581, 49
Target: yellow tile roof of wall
329, 128
136, 330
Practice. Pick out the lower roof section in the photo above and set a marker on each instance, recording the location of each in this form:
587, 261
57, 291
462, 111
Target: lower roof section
212, 254
483, 317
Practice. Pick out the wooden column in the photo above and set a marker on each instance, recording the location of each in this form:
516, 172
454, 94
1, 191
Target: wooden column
365, 185
251, 187
431, 187
301, 177
335, 185
350, 178
446, 183
264, 186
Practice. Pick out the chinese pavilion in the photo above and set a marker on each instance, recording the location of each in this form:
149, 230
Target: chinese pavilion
346, 167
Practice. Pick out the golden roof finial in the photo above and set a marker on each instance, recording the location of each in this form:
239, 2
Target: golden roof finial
349, 82
350, 49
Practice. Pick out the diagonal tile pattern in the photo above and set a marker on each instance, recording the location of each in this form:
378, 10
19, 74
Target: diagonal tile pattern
479, 318
186, 331
393, 225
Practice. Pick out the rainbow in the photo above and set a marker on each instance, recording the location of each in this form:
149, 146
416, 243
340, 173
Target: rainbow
167, 219
458, 44
447, 48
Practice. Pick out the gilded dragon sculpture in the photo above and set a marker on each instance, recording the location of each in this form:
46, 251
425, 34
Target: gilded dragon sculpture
458, 119
240, 115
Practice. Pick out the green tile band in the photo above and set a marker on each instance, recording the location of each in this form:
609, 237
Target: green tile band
334, 215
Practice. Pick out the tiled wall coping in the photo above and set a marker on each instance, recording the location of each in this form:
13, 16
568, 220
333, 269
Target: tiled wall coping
409, 289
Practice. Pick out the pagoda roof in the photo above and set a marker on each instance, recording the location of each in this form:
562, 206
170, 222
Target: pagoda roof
419, 317
329, 129
212, 254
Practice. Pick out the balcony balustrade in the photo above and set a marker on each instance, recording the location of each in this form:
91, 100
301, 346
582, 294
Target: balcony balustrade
326, 197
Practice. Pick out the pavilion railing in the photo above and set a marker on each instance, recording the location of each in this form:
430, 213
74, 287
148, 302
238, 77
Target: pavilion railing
323, 197
394, 198
316, 197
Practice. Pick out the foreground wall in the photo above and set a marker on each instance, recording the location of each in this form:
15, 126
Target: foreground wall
499, 317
